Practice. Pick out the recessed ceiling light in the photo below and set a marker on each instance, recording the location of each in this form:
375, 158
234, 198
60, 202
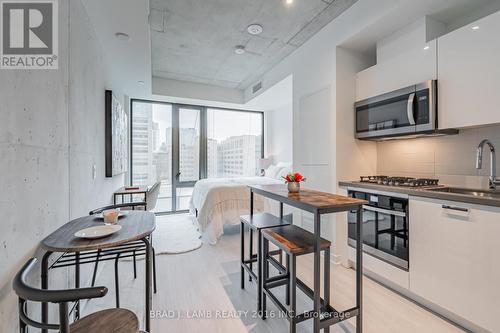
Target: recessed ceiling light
239, 49
426, 47
122, 36
475, 27
141, 83
288, 2
255, 29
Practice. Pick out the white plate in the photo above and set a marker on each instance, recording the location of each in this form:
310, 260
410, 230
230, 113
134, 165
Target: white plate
121, 213
98, 231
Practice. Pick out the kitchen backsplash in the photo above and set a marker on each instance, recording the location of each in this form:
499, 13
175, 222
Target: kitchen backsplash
451, 159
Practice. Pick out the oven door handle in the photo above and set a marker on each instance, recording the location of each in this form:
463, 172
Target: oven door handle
384, 211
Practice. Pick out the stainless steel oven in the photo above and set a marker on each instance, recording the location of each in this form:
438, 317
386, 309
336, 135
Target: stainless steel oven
408, 111
385, 227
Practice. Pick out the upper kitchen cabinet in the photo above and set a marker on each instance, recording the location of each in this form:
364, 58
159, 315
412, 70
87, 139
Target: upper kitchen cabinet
414, 65
469, 75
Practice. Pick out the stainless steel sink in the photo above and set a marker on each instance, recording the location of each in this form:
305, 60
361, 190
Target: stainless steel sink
468, 191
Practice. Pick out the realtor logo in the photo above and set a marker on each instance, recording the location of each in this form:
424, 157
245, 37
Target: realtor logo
29, 34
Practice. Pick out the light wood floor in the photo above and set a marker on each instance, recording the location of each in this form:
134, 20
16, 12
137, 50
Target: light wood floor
205, 283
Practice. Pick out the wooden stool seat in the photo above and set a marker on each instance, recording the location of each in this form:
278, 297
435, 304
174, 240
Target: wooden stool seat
293, 240
111, 320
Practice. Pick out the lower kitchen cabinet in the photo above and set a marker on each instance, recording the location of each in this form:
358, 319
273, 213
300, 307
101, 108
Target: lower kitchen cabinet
455, 258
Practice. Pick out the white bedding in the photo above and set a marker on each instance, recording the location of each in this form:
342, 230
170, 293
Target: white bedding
221, 201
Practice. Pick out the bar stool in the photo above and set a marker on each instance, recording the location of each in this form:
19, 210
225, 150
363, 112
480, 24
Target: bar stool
294, 241
257, 222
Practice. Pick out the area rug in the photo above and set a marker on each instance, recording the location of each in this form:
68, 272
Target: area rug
176, 234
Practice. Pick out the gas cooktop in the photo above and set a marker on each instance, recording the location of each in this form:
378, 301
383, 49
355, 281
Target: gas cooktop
400, 181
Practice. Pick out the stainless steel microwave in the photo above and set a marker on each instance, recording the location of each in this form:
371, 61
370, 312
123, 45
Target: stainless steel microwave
404, 112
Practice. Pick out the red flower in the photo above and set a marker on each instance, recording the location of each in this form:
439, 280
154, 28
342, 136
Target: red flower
293, 177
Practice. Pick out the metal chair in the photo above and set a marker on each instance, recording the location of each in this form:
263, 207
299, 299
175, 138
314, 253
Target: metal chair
136, 248
121, 320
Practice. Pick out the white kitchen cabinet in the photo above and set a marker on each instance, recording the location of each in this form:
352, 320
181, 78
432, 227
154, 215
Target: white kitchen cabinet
455, 259
414, 66
469, 75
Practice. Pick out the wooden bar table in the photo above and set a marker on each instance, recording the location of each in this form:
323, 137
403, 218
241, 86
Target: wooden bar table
136, 226
319, 203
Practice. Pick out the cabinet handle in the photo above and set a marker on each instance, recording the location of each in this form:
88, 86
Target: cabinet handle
460, 209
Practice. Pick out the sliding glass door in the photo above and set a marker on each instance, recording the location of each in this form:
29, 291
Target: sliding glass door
152, 149
178, 145
186, 154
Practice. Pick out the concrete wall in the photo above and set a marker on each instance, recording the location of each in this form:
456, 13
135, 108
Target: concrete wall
33, 163
51, 132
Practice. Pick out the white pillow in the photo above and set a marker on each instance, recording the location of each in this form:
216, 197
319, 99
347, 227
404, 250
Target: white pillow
283, 172
284, 165
271, 171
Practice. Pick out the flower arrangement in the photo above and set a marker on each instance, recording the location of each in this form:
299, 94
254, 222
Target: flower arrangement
293, 180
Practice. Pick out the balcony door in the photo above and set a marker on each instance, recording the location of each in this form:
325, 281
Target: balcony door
165, 146
187, 159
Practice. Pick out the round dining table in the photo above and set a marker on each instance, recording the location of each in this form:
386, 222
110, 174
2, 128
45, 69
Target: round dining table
135, 226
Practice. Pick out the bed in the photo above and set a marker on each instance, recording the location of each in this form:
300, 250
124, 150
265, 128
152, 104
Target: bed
218, 202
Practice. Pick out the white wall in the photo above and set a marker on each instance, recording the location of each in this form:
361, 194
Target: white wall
279, 137
51, 131
183, 89
276, 102
352, 157
314, 68
86, 117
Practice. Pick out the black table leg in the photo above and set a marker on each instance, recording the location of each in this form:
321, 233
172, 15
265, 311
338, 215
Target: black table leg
149, 293
45, 285
250, 246
117, 282
259, 272
359, 271
251, 203
242, 254
265, 275
281, 218
326, 282
317, 272
77, 283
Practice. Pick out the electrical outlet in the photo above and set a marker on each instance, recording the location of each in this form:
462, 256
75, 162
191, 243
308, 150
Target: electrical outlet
94, 171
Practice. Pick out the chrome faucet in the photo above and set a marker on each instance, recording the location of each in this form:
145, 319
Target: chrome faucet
493, 181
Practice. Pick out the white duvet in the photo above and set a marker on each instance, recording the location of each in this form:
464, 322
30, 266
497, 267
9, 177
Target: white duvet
221, 201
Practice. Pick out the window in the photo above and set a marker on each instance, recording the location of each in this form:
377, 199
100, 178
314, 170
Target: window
177, 144
234, 143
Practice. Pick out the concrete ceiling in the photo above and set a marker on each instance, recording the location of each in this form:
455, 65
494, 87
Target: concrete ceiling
194, 40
